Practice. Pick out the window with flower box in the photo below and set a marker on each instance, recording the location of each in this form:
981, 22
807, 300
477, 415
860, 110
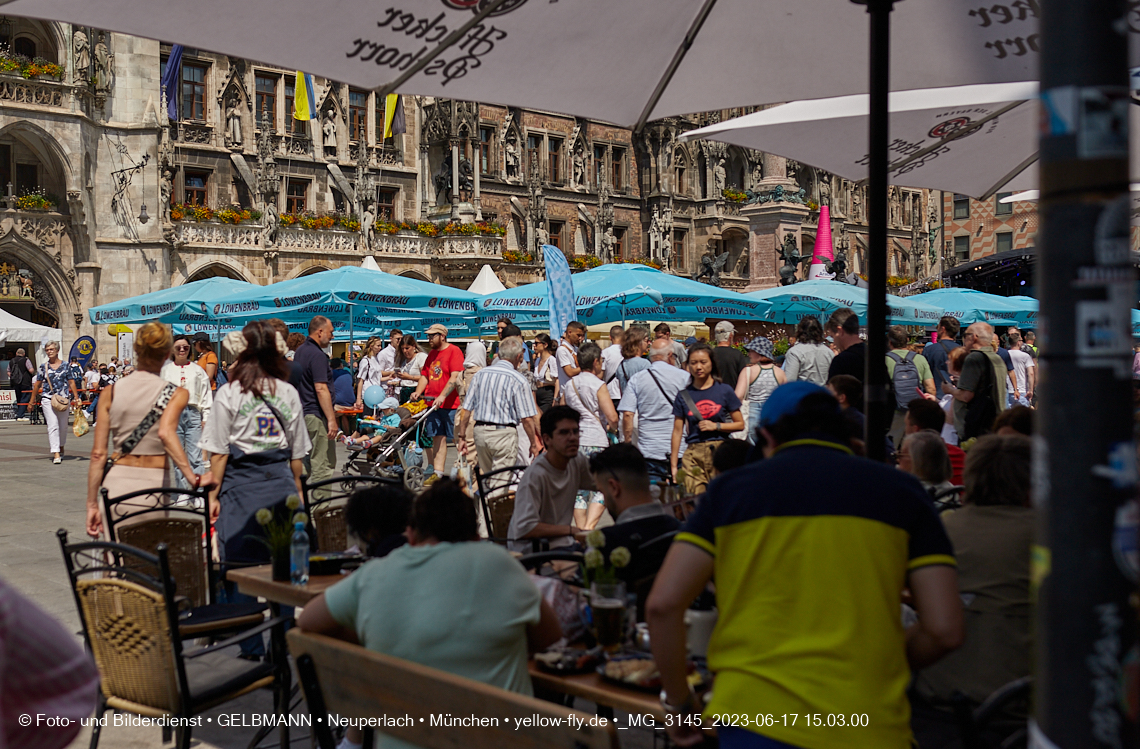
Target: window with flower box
386, 203
266, 100
193, 92
25, 46
358, 115
296, 191
195, 187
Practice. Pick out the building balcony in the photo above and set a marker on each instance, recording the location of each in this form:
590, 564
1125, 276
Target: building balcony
15, 90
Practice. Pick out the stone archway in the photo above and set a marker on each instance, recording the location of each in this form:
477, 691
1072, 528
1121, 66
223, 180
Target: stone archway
44, 286
416, 275
306, 268
735, 243
217, 269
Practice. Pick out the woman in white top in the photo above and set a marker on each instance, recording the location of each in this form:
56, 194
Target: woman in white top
588, 395
186, 374
545, 373
370, 372
757, 381
811, 357
409, 361
256, 438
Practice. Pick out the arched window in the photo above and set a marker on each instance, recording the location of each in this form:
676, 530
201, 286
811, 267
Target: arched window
26, 46
679, 185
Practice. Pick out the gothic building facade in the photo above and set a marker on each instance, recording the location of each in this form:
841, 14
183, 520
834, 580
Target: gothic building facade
109, 197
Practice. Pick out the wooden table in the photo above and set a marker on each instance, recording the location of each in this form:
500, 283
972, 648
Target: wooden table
258, 581
591, 686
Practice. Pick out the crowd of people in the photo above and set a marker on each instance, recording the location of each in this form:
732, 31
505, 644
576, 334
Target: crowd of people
842, 585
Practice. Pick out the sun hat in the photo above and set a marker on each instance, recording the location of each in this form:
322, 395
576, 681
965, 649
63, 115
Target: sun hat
437, 328
760, 345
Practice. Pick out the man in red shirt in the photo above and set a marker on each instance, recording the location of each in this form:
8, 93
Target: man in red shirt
927, 414
439, 379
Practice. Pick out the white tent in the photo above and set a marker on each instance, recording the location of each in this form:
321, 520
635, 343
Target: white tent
369, 262
486, 282
17, 330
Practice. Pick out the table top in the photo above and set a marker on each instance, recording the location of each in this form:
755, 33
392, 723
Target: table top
258, 581
593, 687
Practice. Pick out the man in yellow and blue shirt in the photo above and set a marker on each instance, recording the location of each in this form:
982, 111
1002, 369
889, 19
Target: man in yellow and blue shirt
810, 549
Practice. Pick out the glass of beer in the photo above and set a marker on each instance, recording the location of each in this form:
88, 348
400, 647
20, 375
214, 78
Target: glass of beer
607, 604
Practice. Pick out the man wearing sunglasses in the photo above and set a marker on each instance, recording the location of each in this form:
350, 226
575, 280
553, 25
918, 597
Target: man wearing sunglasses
439, 379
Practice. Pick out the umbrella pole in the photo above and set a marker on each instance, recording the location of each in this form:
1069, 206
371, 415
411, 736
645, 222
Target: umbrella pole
351, 335
875, 375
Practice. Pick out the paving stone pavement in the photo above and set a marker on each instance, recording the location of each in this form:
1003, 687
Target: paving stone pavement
36, 499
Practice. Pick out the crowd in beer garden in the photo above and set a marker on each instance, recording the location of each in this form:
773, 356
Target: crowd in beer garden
720, 475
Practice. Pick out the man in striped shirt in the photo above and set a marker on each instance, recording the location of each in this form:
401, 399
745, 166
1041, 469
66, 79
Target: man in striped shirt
499, 398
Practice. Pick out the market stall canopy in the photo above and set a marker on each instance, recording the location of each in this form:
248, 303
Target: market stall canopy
966, 139
675, 63
970, 306
623, 291
486, 282
188, 303
18, 330
355, 299
790, 304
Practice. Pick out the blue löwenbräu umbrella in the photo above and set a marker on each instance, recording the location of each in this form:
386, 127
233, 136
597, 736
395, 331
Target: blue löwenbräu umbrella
623, 291
355, 299
790, 304
970, 306
178, 304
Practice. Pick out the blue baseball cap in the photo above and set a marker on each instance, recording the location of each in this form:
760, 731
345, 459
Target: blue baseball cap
785, 399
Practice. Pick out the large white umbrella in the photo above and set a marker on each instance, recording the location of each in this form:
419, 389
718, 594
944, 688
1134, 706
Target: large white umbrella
966, 139
596, 58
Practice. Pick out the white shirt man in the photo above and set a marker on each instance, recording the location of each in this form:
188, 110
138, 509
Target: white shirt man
566, 357
611, 359
499, 398
1025, 375
650, 394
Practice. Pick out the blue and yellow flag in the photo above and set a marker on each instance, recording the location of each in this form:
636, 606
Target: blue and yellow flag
304, 100
394, 122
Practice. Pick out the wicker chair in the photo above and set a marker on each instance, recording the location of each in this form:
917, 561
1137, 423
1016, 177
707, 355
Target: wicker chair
145, 519
327, 513
129, 622
497, 498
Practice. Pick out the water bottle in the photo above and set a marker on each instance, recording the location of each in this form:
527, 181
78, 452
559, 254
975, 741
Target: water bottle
299, 555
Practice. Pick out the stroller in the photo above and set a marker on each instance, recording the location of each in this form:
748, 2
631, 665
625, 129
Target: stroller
391, 454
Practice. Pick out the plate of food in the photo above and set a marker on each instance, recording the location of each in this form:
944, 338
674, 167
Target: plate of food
566, 660
639, 671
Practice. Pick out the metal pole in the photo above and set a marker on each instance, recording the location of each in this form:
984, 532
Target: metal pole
1084, 455
351, 334
875, 374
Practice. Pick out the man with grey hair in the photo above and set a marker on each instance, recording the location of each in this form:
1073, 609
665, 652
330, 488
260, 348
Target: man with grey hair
979, 394
729, 361
20, 371
650, 394
499, 398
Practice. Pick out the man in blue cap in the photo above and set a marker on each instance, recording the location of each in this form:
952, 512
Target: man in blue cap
811, 549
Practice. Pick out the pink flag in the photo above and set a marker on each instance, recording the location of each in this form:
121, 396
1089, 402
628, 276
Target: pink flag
823, 249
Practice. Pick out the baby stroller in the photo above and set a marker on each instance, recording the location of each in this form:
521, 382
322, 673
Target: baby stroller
391, 454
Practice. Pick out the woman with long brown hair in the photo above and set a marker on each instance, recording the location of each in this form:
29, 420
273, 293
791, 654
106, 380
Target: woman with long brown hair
124, 407
256, 438
410, 359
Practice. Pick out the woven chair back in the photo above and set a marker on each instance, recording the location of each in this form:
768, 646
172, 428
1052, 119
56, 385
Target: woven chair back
129, 632
184, 539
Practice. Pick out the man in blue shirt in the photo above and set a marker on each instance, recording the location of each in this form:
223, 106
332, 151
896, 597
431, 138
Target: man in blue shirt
938, 354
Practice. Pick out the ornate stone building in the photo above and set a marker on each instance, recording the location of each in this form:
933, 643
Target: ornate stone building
110, 198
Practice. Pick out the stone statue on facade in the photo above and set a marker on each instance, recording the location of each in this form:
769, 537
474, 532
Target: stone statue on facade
838, 266
895, 204
466, 175
790, 254
655, 233
329, 131
856, 205
511, 152
82, 46
165, 191
233, 121
719, 177
442, 179
541, 236
609, 243
367, 221
757, 174
579, 167
104, 65
825, 190
934, 229
270, 221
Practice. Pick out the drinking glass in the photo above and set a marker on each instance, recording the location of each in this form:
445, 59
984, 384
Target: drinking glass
607, 604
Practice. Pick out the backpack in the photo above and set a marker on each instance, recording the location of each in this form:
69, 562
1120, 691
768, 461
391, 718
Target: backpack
905, 380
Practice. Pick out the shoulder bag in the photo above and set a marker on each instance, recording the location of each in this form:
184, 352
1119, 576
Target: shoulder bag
148, 421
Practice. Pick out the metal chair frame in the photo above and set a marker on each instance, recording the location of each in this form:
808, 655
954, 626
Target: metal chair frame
318, 508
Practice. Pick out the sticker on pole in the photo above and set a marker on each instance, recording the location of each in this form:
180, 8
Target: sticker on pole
1103, 129
1126, 540
1103, 330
